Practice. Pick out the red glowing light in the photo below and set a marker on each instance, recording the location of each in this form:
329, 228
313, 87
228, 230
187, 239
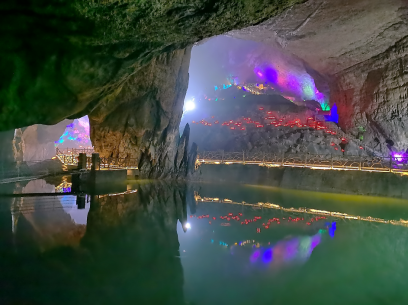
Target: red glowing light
232, 128
216, 122
261, 108
361, 147
214, 218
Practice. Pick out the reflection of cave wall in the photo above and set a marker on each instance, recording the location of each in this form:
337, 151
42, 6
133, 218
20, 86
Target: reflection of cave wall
128, 255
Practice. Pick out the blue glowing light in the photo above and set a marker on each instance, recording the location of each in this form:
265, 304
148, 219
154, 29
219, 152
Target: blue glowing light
267, 256
334, 116
332, 229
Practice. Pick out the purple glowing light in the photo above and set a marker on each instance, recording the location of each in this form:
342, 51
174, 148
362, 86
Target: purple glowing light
401, 157
76, 135
255, 256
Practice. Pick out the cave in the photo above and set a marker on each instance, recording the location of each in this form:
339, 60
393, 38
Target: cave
208, 120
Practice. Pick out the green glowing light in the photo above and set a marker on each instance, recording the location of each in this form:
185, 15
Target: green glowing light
325, 107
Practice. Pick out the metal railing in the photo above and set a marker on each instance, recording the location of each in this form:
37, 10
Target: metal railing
74, 151
117, 163
314, 161
70, 156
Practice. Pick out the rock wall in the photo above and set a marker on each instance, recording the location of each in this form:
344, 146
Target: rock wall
373, 97
359, 47
38, 140
292, 131
143, 120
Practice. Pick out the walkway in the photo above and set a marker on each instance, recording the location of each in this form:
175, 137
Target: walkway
325, 162
69, 156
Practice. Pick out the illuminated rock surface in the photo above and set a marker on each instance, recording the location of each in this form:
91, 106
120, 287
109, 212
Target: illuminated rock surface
360, 46
236, 123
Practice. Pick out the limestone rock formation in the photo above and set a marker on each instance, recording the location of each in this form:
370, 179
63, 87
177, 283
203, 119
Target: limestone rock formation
287, 136
143, 120
38, 140
360, 47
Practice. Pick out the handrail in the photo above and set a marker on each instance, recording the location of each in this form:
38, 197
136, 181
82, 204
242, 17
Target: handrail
70, 157
314, 161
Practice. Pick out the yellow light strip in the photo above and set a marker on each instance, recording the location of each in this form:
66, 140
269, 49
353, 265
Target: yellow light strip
306, 165
400, 222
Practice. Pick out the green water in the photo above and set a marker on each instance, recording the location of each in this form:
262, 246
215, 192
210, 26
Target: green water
132, 249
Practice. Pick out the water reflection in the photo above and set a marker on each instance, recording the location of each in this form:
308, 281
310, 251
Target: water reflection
128, 253
154, 244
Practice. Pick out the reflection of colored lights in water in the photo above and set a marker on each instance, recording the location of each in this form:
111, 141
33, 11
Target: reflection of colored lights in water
315, 241
255, 256
291, 249
295, 249
267, 256
332, 229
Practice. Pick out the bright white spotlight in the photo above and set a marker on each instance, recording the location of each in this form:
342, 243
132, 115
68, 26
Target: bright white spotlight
189, 105
188, 226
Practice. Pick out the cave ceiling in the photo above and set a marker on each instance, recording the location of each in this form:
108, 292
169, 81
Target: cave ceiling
62, 59
332, 35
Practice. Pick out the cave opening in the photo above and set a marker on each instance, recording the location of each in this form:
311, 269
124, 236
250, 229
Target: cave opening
243, 94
